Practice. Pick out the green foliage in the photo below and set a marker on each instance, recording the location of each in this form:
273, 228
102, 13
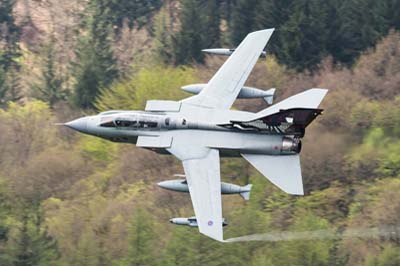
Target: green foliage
308, 252
377, 154
142, 240
9, 52
389, 257
29, 126
163, 37
135, 12
10, 88
32, 245
158, 82
5, 208
51, 86
191, 37
9, 48
308, 31
213, 38
98, 149
243, 19
302, 48
362, 24
95, 67
99, 200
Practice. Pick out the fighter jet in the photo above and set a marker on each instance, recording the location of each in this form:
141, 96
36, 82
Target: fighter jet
200, 129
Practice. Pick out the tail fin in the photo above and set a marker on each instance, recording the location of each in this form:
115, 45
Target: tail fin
270, 98
246, 194
309, 99
283, 171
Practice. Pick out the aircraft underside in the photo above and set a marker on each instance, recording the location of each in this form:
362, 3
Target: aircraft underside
200, 129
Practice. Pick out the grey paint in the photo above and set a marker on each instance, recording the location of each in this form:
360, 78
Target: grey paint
197, 131
180, 185
226, 52
245, 92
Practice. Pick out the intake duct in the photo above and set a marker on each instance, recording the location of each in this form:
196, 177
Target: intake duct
291, 145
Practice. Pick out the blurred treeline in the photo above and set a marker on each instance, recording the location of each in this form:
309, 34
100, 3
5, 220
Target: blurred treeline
69, 199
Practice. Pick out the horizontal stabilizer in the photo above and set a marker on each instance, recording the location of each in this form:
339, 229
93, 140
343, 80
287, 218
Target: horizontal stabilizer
283, 171
309, 99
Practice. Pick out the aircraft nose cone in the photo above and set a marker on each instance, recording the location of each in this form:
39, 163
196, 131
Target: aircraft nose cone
79, 124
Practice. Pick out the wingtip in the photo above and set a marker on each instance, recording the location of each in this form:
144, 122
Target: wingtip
320, 89
271, 30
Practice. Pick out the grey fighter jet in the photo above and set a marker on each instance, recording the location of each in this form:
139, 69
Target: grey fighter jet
200, 129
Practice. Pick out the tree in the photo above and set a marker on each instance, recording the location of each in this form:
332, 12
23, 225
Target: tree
304, 36
274, 14
51, 87
157, 82
213, 24
9, 37
191, 37
95, 67
141, 249
163, 37
5, 210
390, 256
392, 13
243, 20
136, 12
33, 246
362, 23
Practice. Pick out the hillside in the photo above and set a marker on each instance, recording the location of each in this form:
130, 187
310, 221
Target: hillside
69, 199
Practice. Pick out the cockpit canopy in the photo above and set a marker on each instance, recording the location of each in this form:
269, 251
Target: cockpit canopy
131, 121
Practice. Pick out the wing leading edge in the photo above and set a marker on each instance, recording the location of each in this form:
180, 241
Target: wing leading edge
224, 87
204, 182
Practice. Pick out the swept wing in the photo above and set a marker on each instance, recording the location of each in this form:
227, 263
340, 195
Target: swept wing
223, 88
204, 182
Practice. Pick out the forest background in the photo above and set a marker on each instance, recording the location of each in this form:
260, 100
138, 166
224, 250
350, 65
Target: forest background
68, 199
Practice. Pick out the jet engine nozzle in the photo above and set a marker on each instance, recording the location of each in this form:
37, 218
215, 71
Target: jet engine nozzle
291, 145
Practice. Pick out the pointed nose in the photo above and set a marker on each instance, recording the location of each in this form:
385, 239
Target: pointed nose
163, 184
79, 124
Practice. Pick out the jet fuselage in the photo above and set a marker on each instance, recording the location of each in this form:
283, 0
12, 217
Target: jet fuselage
127, 126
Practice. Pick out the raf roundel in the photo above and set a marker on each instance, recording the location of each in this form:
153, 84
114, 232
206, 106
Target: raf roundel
210, 223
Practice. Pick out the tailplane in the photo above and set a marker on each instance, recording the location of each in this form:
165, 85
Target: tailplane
288, 117
309, 99
283, 171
